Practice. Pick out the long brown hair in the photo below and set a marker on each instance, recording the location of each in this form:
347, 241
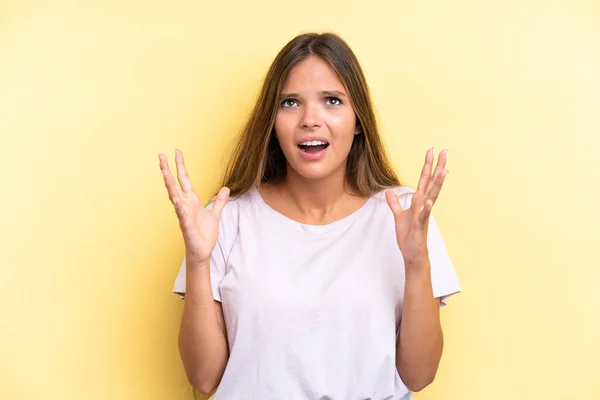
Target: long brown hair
257, 157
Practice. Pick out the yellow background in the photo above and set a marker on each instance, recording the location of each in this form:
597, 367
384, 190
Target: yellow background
91, 91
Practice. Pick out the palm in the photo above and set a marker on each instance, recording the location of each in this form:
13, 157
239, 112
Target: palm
411, 224
199, 225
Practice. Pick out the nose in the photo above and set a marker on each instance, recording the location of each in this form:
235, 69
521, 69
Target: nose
311, 117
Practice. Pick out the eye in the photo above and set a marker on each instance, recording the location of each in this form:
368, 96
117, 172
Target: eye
334, 101
288, 103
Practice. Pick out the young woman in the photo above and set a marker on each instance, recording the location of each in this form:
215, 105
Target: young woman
312, 274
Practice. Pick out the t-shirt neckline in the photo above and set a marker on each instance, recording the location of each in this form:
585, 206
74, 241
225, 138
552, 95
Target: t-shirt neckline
330, 227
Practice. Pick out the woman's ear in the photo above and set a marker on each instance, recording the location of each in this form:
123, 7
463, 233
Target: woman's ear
357, 126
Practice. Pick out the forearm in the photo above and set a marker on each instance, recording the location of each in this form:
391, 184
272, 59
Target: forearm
419, 346
202, 339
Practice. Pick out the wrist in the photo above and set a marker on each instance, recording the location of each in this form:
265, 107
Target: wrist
418, 267
196, 263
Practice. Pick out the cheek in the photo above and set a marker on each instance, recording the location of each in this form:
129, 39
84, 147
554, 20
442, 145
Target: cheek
283, 126
344, 126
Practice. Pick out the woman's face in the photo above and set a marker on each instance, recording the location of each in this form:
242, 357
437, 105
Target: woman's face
315, 123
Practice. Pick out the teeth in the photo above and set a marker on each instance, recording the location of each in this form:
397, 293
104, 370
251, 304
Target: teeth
313, 143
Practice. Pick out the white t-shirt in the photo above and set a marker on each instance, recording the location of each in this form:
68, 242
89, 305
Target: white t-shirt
313, 312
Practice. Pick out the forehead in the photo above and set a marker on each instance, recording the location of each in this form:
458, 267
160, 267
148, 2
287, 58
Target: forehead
311, 74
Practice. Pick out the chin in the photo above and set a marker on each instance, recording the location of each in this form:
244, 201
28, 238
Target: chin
314, 172
314, 177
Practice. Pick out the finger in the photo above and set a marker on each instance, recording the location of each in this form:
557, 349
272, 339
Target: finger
426, 172
437, 186
170, 183
221, 200
182, 175
441, 164
393, 202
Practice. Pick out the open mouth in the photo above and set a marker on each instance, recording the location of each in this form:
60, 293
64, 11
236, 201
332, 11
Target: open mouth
313, 147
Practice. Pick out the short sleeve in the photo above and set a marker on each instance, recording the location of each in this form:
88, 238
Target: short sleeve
443, 277
218, 258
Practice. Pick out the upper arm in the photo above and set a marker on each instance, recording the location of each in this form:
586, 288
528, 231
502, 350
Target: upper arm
220, 317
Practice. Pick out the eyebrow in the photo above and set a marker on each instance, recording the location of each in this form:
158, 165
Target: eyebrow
328, 93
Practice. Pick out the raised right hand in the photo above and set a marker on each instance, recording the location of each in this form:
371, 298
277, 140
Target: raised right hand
199, 225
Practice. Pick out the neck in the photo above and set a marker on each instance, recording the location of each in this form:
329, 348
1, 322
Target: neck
316, 197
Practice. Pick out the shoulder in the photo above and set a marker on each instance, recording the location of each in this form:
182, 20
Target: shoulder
237, 207
230, 217
232, 207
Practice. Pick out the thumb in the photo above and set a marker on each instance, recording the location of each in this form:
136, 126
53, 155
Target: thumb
221, 200
393, 202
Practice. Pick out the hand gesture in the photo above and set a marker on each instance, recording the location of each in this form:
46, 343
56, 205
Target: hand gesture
412, 223
199, 225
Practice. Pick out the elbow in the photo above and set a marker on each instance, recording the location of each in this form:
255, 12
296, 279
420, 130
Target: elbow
203, 372
204, 380
204, 386
416, 381
206, 390
417, 384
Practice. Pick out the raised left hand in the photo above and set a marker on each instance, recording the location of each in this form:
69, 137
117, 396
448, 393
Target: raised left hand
412, 223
